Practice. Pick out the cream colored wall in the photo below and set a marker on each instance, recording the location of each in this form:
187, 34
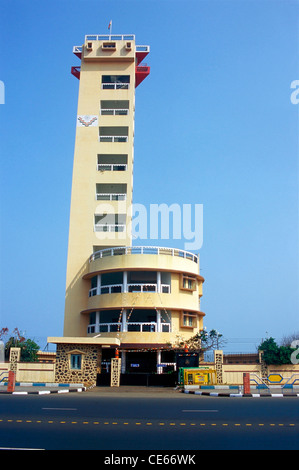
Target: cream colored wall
233, 373
121, 52
35, 372
31, 372
4, 367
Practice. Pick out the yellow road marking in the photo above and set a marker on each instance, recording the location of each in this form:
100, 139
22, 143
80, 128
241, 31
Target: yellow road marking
146, 423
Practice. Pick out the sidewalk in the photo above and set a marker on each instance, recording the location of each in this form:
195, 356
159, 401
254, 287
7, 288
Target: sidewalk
42, 388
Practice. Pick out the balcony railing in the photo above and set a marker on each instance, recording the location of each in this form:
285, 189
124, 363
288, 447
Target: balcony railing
109, 228
112, 289
112, 167
164, 288
114, 112
115, 86
145, 327
133, 288
143, 49
111, 196
151, 327
110, 37
113, 138
143, 250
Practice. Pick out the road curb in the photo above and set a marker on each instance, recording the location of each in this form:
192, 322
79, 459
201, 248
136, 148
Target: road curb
31, 389
240, 395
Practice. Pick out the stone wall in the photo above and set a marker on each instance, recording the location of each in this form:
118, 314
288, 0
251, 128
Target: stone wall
90, 364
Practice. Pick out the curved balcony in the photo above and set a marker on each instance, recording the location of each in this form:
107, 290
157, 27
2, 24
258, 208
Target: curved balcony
115, 288
143, 250
149, 327
143, 258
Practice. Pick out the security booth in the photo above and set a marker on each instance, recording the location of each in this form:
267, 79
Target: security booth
79, 359
197, 376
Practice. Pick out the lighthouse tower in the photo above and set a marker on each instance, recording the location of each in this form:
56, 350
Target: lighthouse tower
102, 185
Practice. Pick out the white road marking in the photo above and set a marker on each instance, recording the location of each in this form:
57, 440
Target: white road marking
200, 411
63, 409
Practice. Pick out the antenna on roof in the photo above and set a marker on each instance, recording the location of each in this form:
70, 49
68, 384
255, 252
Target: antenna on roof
110, 27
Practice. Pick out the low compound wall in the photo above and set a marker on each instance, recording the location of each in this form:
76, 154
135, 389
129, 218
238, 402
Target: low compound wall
35, 372
232, 374
30, 372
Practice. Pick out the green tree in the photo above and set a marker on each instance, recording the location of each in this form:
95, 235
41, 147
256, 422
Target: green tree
274, 354
201, 342
28, 347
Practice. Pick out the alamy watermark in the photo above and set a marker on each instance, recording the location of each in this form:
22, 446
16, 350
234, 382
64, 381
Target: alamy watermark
2, 92
295, 354
295, 94
156, 222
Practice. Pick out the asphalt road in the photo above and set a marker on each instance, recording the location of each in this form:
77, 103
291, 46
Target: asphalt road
153, 420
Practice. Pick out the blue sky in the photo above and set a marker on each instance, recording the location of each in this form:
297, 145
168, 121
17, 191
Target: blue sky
214, 126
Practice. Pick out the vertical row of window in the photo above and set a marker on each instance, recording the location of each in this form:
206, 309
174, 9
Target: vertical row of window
112, 162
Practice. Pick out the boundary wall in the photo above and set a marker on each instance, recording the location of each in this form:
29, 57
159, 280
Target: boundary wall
227, 374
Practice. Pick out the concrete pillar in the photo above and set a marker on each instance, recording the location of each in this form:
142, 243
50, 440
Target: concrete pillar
246, 383
124, 320
159, 369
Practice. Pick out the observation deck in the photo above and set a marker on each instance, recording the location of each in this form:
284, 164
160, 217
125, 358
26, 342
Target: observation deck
113, 46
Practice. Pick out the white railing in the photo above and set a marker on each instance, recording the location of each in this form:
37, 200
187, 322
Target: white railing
131, 288
109, 228
142, 326
112, 167
110, 37
143, 250
111, 289
114, 112
147, 327
92, 292
113, 138
164, 288
142, 48
96, 37
107, 327
111, 196
77, 49
142, 287
115, 86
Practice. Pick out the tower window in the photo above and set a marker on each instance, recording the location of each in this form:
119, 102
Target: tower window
110, 223
188, 320
188, 282
117, 162
115, 82
113, 134
109, 46
111, 192
114, 107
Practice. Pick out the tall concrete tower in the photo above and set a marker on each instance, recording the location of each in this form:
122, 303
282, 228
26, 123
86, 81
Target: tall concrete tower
101, 201
142, 300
